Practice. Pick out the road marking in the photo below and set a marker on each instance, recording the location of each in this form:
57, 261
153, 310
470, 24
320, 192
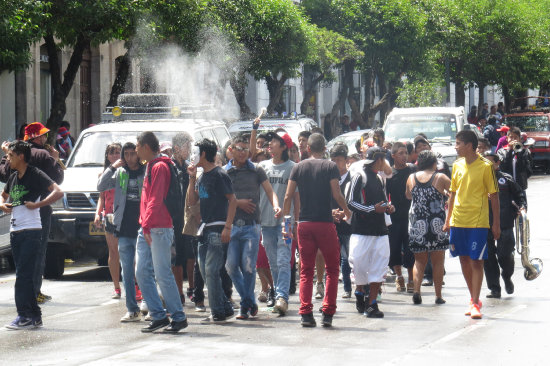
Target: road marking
456, 334
81, 309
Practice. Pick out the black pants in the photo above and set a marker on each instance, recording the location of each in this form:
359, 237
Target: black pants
500, 256
24, 248
198, 291
400, 254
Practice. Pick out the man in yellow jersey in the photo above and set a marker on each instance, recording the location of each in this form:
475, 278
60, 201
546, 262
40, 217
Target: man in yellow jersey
473, 186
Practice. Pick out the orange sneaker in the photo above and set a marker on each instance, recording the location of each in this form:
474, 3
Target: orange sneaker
475, 311
469, 312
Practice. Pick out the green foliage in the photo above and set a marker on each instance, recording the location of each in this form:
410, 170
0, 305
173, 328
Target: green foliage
19, 28
420, 93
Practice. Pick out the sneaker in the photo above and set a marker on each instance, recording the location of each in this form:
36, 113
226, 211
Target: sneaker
116, 294
410, 287
148, 317
469, 312
229, 313
427, 282
292, 288
373, 311
262, 297
400, 284
320, 293
346, 295
139, 296
175, 326
37, 322
46, 297
20, 323
493, 295
281, 307
475, 311
254, 310
326, 320
270, 298
360, 302
439, 301
190, 293
131, 316
214, 319
417, 299
243, 314
199, 307
509, 286
40, 299
308, 321
143, 307
155, 325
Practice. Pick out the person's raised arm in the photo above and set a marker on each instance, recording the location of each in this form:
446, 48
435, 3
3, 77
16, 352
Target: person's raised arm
253, 135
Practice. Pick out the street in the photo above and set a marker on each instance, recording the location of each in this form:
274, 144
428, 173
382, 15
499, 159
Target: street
82, 327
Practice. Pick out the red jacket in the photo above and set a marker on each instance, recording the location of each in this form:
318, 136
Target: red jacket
153, 211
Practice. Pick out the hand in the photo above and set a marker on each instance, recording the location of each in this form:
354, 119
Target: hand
192, 171
97, 221
118, 163
5, 145
31, 205
148, 238
390, 209
336, 215
278, 212
246, 205
6, 207
226, 235
257, 121
446, 227
496, 231
53, 152
286, 235
378, 208
347, 214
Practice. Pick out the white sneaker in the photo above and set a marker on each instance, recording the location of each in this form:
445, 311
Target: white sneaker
281, 307
262, 297
320, 291
143, 307
148, 318
131, 317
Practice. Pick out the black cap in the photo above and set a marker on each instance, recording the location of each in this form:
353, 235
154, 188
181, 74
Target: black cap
374, 153
420, 138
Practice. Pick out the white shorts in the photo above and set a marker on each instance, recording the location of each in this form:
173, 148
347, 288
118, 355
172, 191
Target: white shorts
369, 257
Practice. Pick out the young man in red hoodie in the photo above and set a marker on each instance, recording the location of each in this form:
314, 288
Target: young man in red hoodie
155, 239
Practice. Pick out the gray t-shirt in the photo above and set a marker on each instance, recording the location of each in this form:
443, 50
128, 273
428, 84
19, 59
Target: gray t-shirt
278, 177
246, 185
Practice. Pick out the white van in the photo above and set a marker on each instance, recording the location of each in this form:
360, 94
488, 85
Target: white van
439, 124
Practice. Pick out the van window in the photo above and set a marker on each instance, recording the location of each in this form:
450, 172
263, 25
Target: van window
221, 135
434, 126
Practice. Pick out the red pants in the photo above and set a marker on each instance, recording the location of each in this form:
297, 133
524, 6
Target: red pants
313, 236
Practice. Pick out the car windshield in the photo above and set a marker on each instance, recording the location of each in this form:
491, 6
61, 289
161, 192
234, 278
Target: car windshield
90, 151
349, 140
436, 127
529, 123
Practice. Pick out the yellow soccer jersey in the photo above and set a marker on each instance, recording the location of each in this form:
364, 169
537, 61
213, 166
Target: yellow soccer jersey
472, 183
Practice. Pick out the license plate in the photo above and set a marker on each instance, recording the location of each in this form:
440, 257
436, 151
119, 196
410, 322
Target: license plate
95, 231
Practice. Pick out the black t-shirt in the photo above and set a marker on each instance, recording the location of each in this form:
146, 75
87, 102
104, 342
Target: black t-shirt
313, 178
396, 187
213, 186
130, 218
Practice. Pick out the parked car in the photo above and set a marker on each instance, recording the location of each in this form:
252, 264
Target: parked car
348, 138
72, 232
535, 124
439, 124
292, 125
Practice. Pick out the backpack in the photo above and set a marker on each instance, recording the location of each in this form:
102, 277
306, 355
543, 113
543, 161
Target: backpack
174, 197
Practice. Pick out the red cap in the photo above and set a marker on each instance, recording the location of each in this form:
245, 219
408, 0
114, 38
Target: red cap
281, 136
503, 129
63, 131
35, 130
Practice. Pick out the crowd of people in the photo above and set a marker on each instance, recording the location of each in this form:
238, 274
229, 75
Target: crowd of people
224, 215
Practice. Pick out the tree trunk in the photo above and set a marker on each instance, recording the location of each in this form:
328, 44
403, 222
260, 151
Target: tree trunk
62, 87
460, 95
383, 91
481, 99
367, 100
349, 67
310, 91
275, 88
119, 86
238, 83
507, 98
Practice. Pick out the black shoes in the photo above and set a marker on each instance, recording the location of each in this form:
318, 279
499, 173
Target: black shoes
175, 327
271, 298
308, 321
508, 286
156, 324
326, 320
373, 311
417, 299
360, 302
493, 294
440, 301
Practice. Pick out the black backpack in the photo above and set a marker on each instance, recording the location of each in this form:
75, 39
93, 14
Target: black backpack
174, 197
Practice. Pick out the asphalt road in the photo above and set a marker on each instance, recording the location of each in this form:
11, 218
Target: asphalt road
81, 324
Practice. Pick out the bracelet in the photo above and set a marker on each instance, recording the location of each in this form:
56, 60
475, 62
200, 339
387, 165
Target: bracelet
255, 126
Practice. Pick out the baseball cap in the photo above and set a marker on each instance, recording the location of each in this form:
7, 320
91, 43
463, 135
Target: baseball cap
503, 129
63, 131
282, 137
374, 153
420, 138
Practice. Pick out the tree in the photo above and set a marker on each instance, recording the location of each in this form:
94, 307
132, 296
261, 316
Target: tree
19, 29
79, 24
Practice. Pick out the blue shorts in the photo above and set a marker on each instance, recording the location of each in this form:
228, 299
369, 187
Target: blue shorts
471, 242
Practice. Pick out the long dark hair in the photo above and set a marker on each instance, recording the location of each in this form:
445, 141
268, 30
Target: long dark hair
108, 149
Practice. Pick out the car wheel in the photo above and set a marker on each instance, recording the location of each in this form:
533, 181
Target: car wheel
55, 261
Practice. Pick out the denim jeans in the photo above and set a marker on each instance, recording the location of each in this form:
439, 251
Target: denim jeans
127, 252
279, 256
242, 254
211, 261
46, 220
344, 253
154, 262
24, 248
